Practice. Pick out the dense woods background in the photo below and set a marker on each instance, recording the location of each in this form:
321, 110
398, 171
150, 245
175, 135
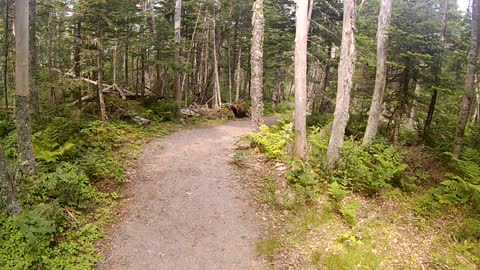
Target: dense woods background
100, 76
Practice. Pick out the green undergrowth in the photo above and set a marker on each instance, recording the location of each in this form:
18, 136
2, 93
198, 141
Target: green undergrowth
375, 202
82, 165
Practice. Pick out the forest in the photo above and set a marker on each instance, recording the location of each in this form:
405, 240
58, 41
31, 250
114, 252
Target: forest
131, 129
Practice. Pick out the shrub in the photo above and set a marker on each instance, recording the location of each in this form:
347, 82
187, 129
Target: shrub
272, 141
369, 169
67, 184
319, 119
102, 166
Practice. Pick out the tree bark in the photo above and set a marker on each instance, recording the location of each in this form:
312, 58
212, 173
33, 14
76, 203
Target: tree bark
239, 74
8, 189
381, 76
178, 39
217, 100
256, 83
345, 76
33, 56
301, 41
433, 100
77, 56
101, 100
6, 54
412, 119
22, 91
469, 96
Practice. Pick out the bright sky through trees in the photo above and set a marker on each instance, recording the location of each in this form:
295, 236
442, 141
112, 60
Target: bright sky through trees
463, 4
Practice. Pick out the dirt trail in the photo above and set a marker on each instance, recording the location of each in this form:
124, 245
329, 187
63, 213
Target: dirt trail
184, 209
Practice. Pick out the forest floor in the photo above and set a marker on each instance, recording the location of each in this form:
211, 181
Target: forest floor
183, 208
386, 233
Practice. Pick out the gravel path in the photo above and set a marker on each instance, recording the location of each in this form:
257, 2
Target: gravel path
184, 208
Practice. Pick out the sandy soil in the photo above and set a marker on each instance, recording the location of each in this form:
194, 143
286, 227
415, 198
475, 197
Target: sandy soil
184, 209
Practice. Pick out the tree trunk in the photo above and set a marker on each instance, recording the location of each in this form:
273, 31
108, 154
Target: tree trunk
8, 189
77, 57
101, 100
33, 57
6, 54
345, 75
178, 39
433, 100
301, 41
469, 97
431, 110
217, 100
126, 64
412, 119
381, 76
239, 74
256, 83
22, 89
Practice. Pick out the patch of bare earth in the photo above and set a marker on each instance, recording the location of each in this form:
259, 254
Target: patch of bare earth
184, 209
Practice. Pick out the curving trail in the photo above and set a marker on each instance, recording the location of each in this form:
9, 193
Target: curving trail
184, 208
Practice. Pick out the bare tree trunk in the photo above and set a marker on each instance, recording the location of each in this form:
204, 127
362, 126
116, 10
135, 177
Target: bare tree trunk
256, 82
178, 40
345, 75
381, 77
22, 91
239, 74
101, 100
412, 120
6, 54
77, 56
477, 107
126, 64
433, 100
217, 100
33, 56
469, 97
229, 76
8, 189
301, 41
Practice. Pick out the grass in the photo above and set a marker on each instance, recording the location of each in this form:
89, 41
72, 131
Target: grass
358, 232
268, 248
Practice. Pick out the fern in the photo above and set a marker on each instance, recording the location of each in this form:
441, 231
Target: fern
464, 187
273, 141
51, 144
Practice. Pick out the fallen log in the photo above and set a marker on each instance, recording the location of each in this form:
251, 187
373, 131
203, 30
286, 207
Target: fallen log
240, 109
132, 115
122, 92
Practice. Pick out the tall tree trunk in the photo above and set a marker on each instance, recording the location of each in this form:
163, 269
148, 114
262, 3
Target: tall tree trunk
8, 188
77, 57
178, 39
22, 89
142, 79
217, 100
345, 75
301, 41
33, 56
469, 97
381, 76
412, 119
126, 63
239, 74
101, 100
433, 100
431, 110
6, 54
477, 107
256, 82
